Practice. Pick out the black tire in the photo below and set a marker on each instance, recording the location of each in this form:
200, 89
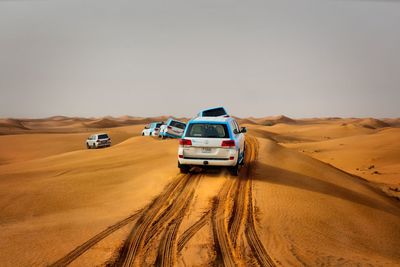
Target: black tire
234, 170
142, 134
183, 168
243, 157
94, 146
87, 145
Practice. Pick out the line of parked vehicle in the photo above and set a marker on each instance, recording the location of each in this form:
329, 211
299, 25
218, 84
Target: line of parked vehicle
211, 138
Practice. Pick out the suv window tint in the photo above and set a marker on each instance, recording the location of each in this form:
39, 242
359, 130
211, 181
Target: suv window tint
214, 112
102, 136
158, 125
204, 130
178, 124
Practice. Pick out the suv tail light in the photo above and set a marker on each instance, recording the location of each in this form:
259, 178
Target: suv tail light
228, 143
169, 127
185, 142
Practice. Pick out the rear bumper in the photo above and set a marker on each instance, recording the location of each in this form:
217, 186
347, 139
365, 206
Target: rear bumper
207, 162
166, 134
103, 145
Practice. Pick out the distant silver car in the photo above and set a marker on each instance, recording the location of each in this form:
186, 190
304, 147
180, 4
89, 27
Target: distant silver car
98, 140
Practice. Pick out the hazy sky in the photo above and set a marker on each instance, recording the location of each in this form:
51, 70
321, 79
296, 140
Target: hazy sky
300, 58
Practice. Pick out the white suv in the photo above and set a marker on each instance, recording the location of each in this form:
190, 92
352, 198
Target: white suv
214, 141
98, 140
152, 129
172, 129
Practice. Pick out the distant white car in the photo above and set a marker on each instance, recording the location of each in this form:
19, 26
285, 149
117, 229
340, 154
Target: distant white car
172, 128
215, 141
152, 129
98, 140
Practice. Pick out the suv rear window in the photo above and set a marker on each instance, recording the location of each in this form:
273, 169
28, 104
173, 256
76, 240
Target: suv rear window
214, 112
158, 125
178, 124
205, 130
102, 136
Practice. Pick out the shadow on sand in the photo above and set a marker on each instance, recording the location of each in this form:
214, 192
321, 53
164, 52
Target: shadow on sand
270, 174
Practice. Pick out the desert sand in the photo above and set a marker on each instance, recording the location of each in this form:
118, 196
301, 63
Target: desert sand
313, 192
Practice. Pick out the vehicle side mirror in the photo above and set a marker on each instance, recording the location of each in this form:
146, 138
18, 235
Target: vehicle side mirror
235, 131
243, 130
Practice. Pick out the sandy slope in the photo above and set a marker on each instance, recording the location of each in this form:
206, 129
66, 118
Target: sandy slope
127, 204
51, 205
313, 214
16, 148
373, 156
62, 124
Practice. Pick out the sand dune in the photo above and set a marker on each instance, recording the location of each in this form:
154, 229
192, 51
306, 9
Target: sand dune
269, 121
313, 214
62, 124
372, 123
299, 200
320, 131
104, 123
393, 122
12, 124
23, 147
72, 196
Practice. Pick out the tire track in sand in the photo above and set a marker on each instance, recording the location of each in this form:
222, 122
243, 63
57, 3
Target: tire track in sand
233, 217
155, 218
257, 248
81, 249
225, 252
253, 240
78, 251
192, 230
167, 251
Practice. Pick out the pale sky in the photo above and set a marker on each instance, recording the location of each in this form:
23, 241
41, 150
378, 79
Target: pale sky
301, 58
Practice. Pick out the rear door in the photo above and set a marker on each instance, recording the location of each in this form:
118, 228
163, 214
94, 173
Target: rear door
206, 141
176, 128
239, 137
102, 138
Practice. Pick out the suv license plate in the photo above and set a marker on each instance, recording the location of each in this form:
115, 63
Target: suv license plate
206, 150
